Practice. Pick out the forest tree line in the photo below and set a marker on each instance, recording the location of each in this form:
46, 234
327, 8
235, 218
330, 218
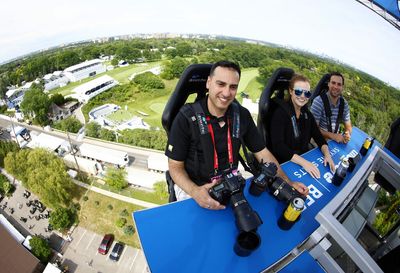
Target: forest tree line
374, 104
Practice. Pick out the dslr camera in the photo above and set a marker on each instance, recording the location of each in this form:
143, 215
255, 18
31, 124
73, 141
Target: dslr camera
230, 191
267, 180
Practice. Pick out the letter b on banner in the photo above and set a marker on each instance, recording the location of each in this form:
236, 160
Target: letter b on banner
314, 193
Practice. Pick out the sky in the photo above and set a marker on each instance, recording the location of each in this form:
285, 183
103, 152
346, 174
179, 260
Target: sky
342, 29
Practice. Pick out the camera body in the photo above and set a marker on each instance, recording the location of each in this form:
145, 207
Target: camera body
230, 185
262, 181
230, 191
267, 180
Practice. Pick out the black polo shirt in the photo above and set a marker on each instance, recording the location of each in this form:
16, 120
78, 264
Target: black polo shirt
182, 146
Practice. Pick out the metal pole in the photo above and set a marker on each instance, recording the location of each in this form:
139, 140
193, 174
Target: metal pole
73, 153
16, 138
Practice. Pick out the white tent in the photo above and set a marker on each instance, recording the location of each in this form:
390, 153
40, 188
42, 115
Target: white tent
46, 141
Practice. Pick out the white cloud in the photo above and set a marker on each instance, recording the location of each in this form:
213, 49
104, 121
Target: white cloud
342, 29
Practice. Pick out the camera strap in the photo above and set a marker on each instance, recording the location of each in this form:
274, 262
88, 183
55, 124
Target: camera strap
229, 144
328, 112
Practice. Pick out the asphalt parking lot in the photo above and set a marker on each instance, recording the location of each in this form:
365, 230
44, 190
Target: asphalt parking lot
82, 256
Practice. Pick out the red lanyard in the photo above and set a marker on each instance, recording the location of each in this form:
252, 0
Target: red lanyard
229, 144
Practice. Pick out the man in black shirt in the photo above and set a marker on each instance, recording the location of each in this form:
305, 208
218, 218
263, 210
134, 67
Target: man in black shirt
187, 166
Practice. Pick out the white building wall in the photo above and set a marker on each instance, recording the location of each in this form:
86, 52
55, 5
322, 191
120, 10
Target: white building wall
81, 91
59, 82
84, 70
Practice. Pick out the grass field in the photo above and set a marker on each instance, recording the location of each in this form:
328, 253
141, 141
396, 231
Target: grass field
121, 74
120, 116
247, 75
135, 193
153, 103
100, 219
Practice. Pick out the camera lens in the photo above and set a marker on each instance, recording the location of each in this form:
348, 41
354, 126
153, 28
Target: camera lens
246, 242
246, 218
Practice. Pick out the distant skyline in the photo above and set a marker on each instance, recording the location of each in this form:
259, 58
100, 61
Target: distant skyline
343, 29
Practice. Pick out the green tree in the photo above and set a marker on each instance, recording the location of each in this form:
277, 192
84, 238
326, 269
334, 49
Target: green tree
145, 138
40, 248
57, 99
171, 53
71, 124
174, 68
5, 148
147, 81
116, 178
36, 105
61, 218
43, 173
121, 222
183, 49
129, 230
92, 129
106, 134
4, 83
161, 189
7, 187
124, 213
114, 61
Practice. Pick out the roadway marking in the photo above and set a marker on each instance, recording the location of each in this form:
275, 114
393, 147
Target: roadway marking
120, 258
320, 183
84, 232
122, 254
94, 234
133, 261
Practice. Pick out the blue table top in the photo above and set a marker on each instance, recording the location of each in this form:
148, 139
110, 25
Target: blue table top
183, 237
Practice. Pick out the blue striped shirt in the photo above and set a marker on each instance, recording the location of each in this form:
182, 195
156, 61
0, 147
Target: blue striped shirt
317, 109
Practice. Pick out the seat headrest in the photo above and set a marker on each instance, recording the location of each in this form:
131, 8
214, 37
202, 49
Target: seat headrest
277, 84
193, 80
321, 87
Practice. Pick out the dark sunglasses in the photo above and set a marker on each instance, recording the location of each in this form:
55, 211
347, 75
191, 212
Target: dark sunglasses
299, 91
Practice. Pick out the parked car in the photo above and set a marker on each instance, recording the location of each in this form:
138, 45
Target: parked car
106, 244
116, 251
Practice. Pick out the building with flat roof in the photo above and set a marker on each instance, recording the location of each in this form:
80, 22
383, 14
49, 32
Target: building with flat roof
91, 89
54, 80
14, 257
84, 70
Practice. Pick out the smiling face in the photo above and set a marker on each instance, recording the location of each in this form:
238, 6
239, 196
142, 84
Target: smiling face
299, 101
222, 87
335, 86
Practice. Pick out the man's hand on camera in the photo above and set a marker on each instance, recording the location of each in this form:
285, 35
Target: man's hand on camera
347, 136
300, 187
339, 138
202, 197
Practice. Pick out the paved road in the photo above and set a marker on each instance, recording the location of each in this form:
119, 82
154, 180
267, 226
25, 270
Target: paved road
138, 155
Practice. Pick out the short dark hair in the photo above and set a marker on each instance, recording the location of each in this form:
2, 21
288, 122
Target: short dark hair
336, 74
226, 64
297, 78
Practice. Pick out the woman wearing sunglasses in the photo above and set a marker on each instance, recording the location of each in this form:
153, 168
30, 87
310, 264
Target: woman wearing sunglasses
293, 126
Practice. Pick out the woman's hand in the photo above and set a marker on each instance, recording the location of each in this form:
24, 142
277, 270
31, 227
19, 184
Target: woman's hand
328, 160
311, 169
